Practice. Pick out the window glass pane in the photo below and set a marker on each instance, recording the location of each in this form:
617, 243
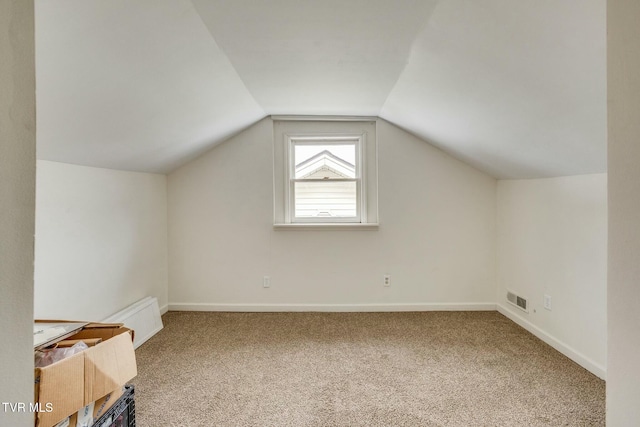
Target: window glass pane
325, 199
328, 161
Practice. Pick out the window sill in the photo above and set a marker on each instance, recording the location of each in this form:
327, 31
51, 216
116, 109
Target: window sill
327, 226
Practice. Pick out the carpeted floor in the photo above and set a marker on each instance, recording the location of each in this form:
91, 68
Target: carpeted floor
358, 369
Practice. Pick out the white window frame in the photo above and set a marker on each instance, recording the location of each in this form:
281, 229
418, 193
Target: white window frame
359, 140
288, 129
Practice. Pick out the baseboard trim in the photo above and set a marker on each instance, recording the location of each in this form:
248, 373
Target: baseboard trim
164, 309
333, 307
582, 360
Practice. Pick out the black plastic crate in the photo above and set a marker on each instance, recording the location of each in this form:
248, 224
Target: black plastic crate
122, 413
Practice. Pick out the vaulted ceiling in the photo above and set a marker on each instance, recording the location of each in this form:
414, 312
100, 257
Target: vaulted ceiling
516, 88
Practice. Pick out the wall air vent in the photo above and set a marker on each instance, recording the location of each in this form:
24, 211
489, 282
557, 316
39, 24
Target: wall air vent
518, 301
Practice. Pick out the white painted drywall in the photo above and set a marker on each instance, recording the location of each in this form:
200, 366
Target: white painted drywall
436, 237
322, 57
17, 206
517, 88
623, 368
101, 240
552, 239
133, 85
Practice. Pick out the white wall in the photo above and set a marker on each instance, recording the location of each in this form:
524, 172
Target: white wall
623, 368
17, 203
552, 239
436, 237
101, 240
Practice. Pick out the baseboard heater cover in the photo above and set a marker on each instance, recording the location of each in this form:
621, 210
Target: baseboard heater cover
143, 317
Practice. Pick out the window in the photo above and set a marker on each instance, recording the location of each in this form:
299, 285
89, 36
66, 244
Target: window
325, 174
325, 181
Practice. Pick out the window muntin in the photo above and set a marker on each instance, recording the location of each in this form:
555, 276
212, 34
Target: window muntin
325, 179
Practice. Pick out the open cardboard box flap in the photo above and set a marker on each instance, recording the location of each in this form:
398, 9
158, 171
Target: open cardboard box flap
76, 381
93, 329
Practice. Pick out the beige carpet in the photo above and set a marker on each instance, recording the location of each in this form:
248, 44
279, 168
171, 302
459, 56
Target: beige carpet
358, 369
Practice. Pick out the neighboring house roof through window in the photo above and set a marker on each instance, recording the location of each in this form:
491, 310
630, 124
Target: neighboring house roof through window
325, 165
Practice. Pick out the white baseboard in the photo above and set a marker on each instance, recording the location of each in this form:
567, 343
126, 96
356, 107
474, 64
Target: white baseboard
164, 309
333, 307
582, 360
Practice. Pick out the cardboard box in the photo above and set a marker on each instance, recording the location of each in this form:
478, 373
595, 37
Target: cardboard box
74, 382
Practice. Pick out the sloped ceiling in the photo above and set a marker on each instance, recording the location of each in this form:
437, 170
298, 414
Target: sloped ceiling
317, 57
516, 88
132, 84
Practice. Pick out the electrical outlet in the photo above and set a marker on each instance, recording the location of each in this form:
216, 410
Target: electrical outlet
266, 282
387, 280
547, 302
